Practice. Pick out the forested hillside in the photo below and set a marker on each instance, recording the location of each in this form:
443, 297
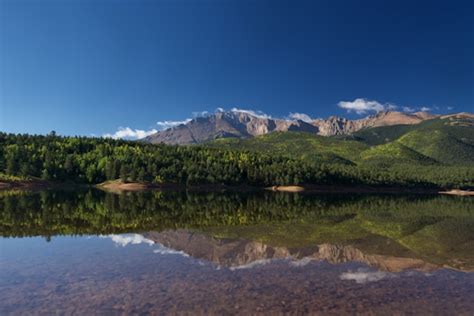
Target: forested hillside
94, 160
306, 146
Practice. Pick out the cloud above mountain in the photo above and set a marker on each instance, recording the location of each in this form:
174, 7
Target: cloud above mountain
258, 114
362, 106
300, 116
168, 124
128, 133
133, 134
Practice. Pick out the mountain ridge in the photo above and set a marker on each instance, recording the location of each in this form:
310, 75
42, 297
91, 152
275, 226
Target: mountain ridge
245, 124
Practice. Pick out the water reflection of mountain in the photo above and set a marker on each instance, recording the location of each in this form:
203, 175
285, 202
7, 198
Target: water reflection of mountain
241, 253
431, 230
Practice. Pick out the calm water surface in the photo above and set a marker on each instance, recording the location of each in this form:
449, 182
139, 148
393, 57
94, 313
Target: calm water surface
176, 253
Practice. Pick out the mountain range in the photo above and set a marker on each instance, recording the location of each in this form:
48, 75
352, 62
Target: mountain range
246, 124
382, 140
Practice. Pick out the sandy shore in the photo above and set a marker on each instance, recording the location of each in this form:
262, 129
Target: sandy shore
122, 186
286, 188
458, 192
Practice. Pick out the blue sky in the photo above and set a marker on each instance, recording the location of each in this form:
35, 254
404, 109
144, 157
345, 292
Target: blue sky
90, 67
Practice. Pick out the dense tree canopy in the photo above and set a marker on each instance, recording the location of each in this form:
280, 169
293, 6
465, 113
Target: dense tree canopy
94, 160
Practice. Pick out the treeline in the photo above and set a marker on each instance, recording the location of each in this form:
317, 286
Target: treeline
95, 160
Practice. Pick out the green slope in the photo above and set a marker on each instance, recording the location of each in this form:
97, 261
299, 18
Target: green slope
381, 135
447, 140
394, 153
310, 147
460, 128
439, 145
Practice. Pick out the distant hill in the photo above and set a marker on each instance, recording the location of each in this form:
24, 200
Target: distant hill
460, 124
245, 124
446, 140
440, 145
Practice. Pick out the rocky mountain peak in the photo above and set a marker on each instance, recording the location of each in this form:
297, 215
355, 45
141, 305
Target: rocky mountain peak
245, 124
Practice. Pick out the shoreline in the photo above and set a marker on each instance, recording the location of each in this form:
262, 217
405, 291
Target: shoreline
119, 187
36, 185
25, 185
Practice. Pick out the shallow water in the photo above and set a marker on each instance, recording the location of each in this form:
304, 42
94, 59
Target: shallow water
165, 253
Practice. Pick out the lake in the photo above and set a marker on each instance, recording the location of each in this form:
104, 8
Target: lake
89, 252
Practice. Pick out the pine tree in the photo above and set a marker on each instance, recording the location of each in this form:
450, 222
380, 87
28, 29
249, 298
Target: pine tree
123, 172
68, 165
133, 175
12, 165
110, 170
45, 174
141, 174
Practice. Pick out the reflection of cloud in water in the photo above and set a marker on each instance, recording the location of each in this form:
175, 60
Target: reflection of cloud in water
252, 264
162, 250
126, 239
257, 263
363, 276
302, 262
136, 239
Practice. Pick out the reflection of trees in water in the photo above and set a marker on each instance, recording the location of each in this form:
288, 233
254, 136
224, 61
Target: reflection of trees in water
439, 227
93, 211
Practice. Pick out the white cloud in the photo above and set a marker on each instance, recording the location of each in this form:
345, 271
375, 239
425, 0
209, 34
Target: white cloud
425, 109
168, 124
201, 114
162, 125
128, 133
365, 276
450, 108
362, 106
258, 114
408, 109
300, 116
